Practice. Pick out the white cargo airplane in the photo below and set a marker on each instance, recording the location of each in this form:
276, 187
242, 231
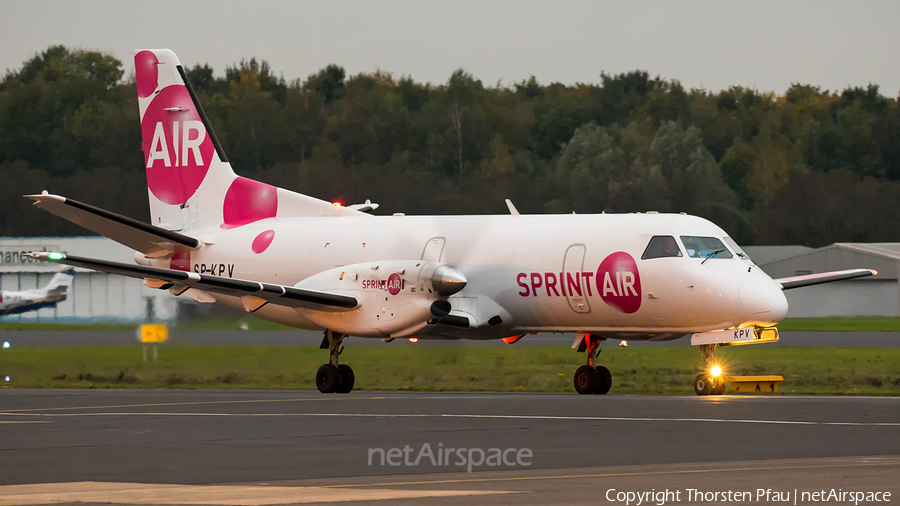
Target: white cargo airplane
37, 298
311, 264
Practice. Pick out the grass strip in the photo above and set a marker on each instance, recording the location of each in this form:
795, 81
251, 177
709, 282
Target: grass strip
855, 324
807, 370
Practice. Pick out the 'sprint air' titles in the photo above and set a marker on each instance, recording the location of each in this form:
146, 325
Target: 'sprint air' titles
616, 281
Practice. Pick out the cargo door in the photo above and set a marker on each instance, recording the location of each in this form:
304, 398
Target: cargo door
573, 282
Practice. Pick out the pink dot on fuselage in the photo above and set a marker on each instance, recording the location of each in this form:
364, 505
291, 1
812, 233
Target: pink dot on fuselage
247, 201
146, 73
262, 241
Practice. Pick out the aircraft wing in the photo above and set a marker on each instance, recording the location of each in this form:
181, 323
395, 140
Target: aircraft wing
254, 293
150, 240
823, 277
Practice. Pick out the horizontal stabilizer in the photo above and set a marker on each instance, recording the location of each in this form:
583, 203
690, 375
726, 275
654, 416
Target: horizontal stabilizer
275, 294
823, 277
367, 207
61, 281
149, 240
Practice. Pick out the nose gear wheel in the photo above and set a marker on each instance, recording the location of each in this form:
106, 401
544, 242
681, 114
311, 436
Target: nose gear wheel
705, 383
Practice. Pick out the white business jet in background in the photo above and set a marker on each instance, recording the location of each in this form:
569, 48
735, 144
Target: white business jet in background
37, 298
307, 263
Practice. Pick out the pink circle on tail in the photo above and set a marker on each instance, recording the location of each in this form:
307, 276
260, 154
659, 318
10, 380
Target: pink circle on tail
262, 241
247, 201
175, 138
146, 73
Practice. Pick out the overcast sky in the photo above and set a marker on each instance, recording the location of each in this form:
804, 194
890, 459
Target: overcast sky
765, 45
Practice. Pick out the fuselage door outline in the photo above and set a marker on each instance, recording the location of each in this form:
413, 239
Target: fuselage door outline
433, 249
573, 281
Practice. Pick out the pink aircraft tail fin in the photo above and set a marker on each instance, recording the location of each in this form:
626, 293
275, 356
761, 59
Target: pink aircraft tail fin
190, 181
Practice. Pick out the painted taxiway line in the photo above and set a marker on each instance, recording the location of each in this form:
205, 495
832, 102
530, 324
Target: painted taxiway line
160, 404
244, 401
471, 416
230, 495
886, 462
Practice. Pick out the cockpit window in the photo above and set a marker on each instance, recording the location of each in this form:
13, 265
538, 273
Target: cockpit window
661, 246
737, 249
705, 247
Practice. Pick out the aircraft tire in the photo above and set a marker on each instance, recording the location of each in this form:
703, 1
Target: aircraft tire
328, 379
703, 385
604, 382
347, 379
586, 380
719, 388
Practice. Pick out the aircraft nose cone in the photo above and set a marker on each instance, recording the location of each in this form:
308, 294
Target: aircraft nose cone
763, 300
446, 280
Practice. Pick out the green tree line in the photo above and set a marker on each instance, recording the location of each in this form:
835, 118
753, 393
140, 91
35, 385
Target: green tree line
810, 166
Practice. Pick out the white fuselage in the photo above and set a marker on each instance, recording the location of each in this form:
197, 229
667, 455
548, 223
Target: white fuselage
559, 273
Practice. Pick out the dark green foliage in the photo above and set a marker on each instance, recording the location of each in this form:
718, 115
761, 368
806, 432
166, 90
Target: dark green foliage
809, 167
328, 83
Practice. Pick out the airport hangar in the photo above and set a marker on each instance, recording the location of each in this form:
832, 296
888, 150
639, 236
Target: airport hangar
99, 296
877, 295
94, 296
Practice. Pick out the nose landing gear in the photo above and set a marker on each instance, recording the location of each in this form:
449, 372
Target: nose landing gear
711, 382
591, 379
332, 377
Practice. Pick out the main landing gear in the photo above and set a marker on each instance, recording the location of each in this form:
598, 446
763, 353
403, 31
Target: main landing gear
331, 377
711, 382
590, 379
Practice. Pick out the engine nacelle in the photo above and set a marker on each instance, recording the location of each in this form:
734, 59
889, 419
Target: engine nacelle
397, 297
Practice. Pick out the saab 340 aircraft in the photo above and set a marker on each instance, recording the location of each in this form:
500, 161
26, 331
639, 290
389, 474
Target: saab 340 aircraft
38, 298
310, 264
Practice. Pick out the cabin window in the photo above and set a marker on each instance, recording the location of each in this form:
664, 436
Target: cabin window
705, 247
661, 246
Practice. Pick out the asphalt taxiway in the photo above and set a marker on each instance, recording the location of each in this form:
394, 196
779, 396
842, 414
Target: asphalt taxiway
261, 447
